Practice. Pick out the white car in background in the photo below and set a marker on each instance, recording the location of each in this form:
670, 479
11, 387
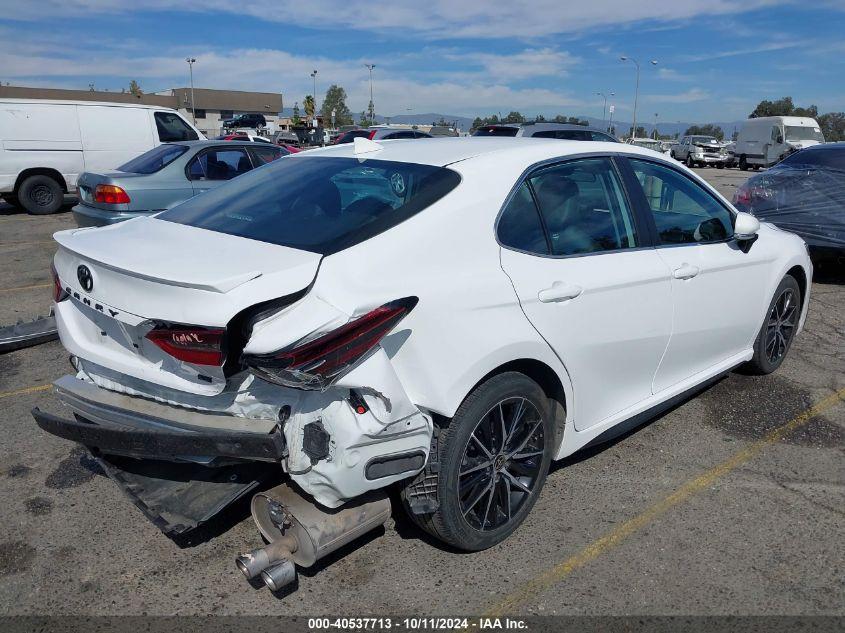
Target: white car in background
449, 314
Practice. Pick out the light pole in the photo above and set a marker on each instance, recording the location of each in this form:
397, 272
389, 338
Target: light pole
655, 126
191, 61
314, 77
637, 92
604, 110
372, 105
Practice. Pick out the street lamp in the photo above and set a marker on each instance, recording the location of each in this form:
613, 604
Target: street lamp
604, 110
191, 61
655, 126
637, 93
314, 77
372, 105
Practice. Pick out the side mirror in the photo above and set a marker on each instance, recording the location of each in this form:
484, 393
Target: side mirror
746, 227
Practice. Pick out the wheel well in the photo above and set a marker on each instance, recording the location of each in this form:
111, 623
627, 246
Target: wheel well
40, 171
800, 276
549, 382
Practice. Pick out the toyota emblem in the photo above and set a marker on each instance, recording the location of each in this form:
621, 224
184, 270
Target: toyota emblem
86, 280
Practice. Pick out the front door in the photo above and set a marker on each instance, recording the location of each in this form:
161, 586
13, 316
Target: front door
573, 250
717, 288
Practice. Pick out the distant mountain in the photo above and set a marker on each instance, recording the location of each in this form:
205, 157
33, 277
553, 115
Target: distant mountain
465, 123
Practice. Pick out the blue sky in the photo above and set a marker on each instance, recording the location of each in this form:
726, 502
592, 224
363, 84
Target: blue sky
716, 58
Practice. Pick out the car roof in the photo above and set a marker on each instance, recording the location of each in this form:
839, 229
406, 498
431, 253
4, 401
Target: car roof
444, 151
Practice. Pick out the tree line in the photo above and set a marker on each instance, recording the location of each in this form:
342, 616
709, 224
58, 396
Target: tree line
517, 117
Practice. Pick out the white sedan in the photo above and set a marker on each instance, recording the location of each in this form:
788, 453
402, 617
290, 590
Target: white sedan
449, 314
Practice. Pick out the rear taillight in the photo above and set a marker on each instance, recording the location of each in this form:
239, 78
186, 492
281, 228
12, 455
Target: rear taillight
742, 196
319, 362
372, 135
59, 293
110, 194
195, 345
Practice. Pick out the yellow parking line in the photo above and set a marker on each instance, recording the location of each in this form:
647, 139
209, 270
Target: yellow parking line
21, 392
33, 287
534, 587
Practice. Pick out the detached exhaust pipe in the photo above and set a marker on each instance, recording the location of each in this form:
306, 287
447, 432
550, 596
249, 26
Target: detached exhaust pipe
301, 533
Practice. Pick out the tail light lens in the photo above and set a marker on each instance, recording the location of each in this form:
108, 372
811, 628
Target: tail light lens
742, 196
372, 135
318, 363
195, 345
110, 194
59, 293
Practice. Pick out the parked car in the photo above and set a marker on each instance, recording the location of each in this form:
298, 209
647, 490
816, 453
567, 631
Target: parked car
318, 319
563, 131
243, 136
285, 138
764, 141
247, 120
730, 150
350, 135
648, 143
46, 144
165, 176
700, 150
804, 194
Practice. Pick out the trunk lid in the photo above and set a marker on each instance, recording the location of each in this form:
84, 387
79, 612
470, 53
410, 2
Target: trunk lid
125, 279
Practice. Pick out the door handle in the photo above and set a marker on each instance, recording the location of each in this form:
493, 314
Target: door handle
559, 291
686, 271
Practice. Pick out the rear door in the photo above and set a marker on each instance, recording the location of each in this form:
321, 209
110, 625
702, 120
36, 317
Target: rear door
589, 282
112, 135
718, 290
212, 167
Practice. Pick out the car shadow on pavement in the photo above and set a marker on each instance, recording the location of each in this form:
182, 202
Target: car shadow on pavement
829, 272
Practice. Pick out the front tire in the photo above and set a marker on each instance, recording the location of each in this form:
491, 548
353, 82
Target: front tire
493, 460
690, 162
743, 163
778, 330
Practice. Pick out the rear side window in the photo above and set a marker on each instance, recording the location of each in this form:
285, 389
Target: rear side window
172, 128
317, 204
494, 130
219, 164
584, 208
683, 211
598, 136
154, 160
519, 225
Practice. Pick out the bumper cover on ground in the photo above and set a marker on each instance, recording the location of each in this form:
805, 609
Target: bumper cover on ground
28, 334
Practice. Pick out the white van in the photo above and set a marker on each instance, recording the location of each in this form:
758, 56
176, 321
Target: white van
46, 144
765, 141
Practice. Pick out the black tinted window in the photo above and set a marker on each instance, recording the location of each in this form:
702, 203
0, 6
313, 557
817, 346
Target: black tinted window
519, 225
494, 130
317, 204
683, 211
263, 155
584, 207
598, 136
152, 161
831, 158
171, 128
219, 164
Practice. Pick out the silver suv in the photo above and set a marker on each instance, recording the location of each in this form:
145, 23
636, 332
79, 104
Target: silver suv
700, 150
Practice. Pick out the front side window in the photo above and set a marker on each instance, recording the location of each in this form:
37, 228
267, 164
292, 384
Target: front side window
584, 208
683, 211
802, 133
263, 155
519, 225
318, 204
219, 164
172, 128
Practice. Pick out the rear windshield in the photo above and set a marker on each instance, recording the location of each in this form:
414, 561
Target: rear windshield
154, 160
830, 158
317, 204
348, 137
494, 130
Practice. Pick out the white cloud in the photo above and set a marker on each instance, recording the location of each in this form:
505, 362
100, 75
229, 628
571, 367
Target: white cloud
437, 19
690, 96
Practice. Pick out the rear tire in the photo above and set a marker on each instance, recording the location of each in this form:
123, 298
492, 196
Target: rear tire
40, 195
486, 486
743, 163
778, 330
